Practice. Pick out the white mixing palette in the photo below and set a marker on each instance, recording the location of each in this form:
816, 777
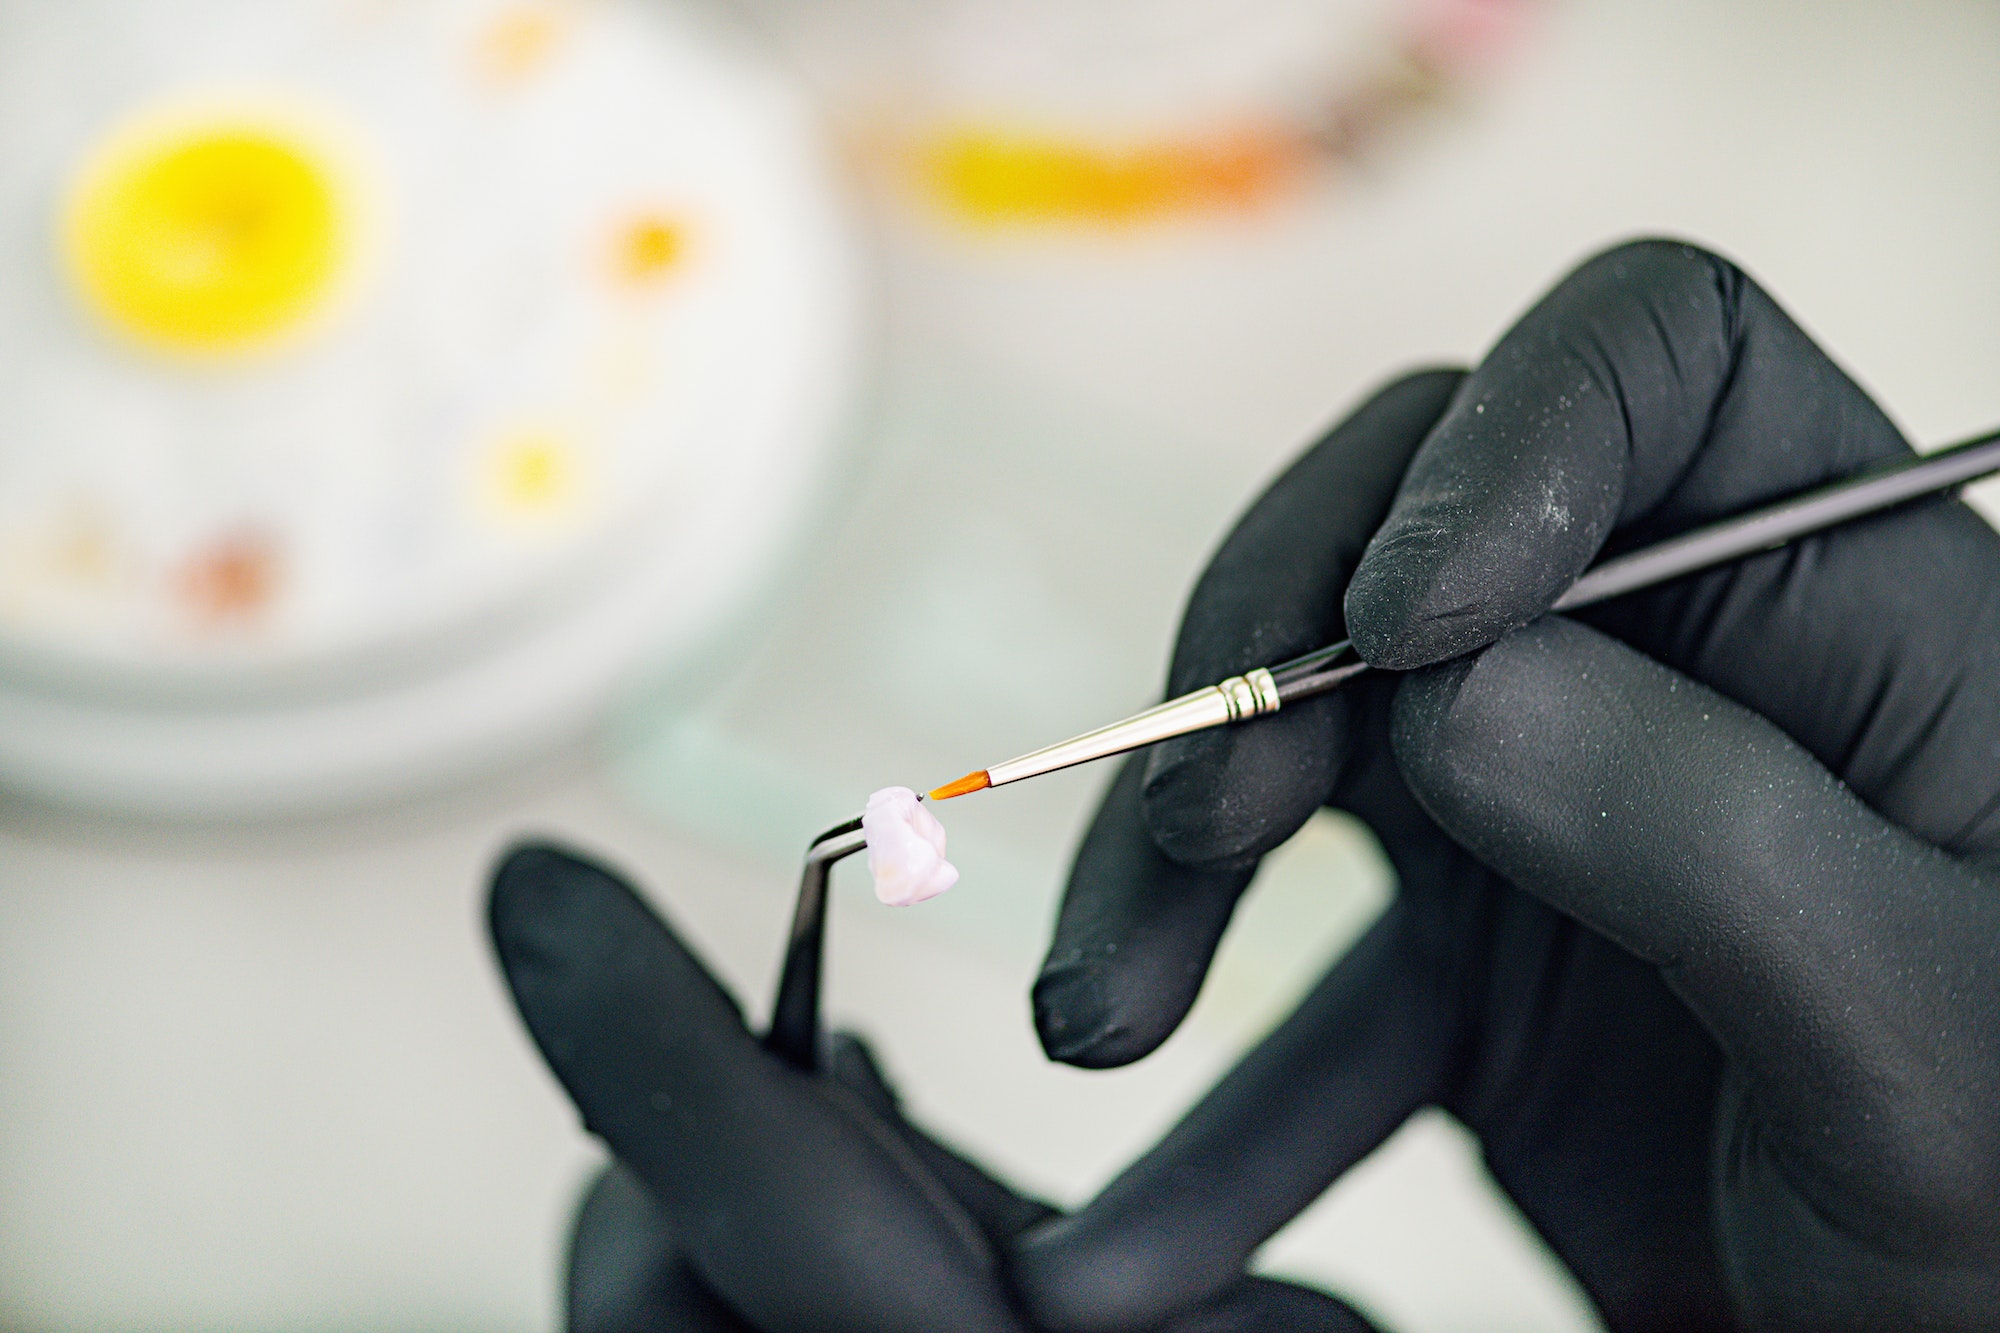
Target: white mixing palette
386, 380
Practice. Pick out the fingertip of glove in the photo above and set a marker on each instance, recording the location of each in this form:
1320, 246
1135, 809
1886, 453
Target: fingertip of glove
1133, 939
1377, 616
552, 912
531, 880
1399, 619
1080, 1023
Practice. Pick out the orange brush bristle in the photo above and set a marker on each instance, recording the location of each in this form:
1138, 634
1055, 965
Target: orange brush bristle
965, 786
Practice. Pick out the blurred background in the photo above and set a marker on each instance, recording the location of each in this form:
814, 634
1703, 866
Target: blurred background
657, 425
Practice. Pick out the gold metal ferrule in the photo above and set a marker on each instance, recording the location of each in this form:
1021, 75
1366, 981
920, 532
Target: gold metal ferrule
1249, 695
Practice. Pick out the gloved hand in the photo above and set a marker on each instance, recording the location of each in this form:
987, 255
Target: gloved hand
1698, 927
750, 1195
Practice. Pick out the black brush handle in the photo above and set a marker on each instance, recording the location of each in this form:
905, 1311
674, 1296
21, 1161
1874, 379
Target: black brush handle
1729, 539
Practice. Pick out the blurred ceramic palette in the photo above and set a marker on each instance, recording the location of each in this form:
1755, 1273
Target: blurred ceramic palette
386, 380
1115, 113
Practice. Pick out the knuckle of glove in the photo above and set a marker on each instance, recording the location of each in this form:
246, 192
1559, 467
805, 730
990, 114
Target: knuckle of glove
1595, 397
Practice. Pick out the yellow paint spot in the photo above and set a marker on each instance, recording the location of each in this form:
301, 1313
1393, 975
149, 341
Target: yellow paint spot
534, 475
646, 249
992, 176
210, 231
517, 44
83, 551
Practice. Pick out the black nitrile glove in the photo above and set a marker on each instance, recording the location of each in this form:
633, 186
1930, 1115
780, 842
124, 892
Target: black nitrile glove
750, 1195
1698, 927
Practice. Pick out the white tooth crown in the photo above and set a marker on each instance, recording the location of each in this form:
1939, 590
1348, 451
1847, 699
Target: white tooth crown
905, 848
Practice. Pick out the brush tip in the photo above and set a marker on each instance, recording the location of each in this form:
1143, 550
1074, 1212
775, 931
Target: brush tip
966, 785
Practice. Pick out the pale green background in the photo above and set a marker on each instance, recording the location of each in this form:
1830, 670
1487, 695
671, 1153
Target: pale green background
265, 1078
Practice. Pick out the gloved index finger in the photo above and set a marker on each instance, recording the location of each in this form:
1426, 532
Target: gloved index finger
1271, 593
790, 1198
1178, 835
1655, 388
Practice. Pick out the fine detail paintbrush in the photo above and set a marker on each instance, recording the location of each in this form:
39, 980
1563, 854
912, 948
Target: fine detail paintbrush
1267, 689
794, 1031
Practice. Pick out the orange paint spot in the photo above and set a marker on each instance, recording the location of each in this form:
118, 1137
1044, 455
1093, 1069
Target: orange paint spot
646, 249
231, 581
517, 44
991, 177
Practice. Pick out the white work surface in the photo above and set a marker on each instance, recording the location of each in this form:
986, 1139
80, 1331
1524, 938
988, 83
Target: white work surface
267, 1077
